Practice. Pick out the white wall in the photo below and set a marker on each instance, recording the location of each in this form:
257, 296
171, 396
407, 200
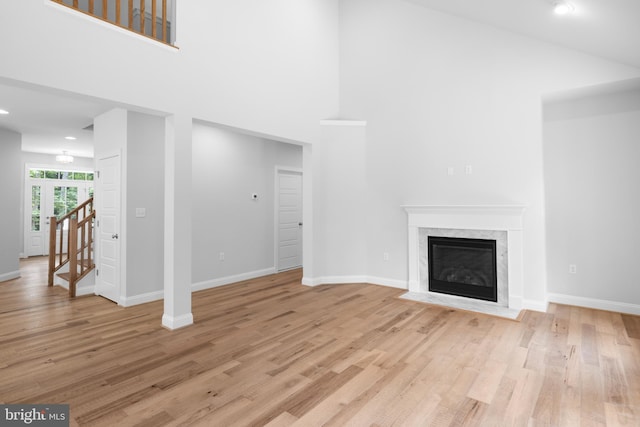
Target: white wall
139, 140
10, 177
439, 91
339, 225
591, 152
227, 168
145, 235
270, 67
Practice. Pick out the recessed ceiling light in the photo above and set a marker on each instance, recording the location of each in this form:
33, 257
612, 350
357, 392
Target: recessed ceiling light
3, 112
562, 8
70, 138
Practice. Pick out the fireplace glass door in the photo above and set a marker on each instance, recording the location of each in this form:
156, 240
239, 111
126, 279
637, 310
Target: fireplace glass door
463, 267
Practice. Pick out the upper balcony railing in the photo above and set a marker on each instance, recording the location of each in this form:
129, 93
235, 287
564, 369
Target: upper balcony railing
151, 18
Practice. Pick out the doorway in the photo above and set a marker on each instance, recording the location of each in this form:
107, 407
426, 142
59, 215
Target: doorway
51, 193
108, 229
288, 219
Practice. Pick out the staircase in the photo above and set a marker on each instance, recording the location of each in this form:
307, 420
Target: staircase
71, 244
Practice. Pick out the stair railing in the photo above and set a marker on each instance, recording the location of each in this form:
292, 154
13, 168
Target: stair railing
137, 17
77, 250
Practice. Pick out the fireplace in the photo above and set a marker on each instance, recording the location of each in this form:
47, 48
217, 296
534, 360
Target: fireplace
463, 267
501, 224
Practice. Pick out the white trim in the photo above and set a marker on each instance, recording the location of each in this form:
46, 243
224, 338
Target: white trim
343, 122
10, 275
80, 290
309, 281
391, 283
598, 304
142, 298
333, 280
22, 255
276, 212
534, 305
214, 283
173, 323
346, 280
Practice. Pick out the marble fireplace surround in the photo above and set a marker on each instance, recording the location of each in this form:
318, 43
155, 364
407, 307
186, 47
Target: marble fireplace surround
502, 223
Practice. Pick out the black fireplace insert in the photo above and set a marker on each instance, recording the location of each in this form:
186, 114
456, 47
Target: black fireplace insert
463, 267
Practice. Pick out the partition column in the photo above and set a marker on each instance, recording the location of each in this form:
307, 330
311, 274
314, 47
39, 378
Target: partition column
177, 222
338, 205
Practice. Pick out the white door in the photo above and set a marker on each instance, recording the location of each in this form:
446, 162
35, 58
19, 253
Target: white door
37, 225
108, 216
61, 198
289, 220
49, 199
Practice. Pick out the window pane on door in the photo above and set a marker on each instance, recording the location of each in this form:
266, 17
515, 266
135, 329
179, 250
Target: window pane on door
65, 199
35, 207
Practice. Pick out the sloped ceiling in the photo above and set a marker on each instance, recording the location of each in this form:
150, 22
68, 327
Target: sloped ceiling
609, 29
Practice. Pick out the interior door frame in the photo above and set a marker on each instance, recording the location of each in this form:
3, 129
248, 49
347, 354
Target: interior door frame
27, 182
98, 203
276, 210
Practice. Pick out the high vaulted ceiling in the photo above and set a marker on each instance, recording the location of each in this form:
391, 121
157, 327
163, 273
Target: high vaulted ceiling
605, 28
609, 29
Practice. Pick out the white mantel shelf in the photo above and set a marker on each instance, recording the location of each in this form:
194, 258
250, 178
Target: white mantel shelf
478, 217
505, 208
491, 217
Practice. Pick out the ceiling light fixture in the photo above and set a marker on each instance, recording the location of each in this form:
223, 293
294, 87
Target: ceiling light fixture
3, 112
70, 138
562, 8
64, 158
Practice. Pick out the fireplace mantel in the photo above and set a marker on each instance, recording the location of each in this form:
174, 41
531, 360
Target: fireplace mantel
498, 217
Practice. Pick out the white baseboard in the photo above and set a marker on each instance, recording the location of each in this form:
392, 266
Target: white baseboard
214, 283
598, 304
392, 283
141, 299
535, 305
172, 323
22, 255
80, 290
335, 280
10, 275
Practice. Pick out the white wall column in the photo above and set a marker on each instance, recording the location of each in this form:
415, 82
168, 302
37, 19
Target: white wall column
338, 252
177, 222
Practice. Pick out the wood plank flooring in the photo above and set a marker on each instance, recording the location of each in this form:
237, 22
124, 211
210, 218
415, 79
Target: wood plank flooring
272, 352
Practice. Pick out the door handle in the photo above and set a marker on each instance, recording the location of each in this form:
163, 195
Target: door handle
114, 236
300, 224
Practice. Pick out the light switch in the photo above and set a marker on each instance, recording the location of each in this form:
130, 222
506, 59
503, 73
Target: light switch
141, 212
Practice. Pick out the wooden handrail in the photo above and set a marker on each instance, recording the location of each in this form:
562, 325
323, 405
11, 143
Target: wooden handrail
78, 250
135, 24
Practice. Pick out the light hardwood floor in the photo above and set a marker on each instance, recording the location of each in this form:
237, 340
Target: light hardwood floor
273, 352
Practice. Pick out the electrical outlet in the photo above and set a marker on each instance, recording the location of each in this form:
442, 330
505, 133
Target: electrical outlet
573, 269
221, 256
385, 256
468, 169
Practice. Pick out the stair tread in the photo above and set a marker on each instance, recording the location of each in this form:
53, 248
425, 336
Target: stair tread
66, 275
